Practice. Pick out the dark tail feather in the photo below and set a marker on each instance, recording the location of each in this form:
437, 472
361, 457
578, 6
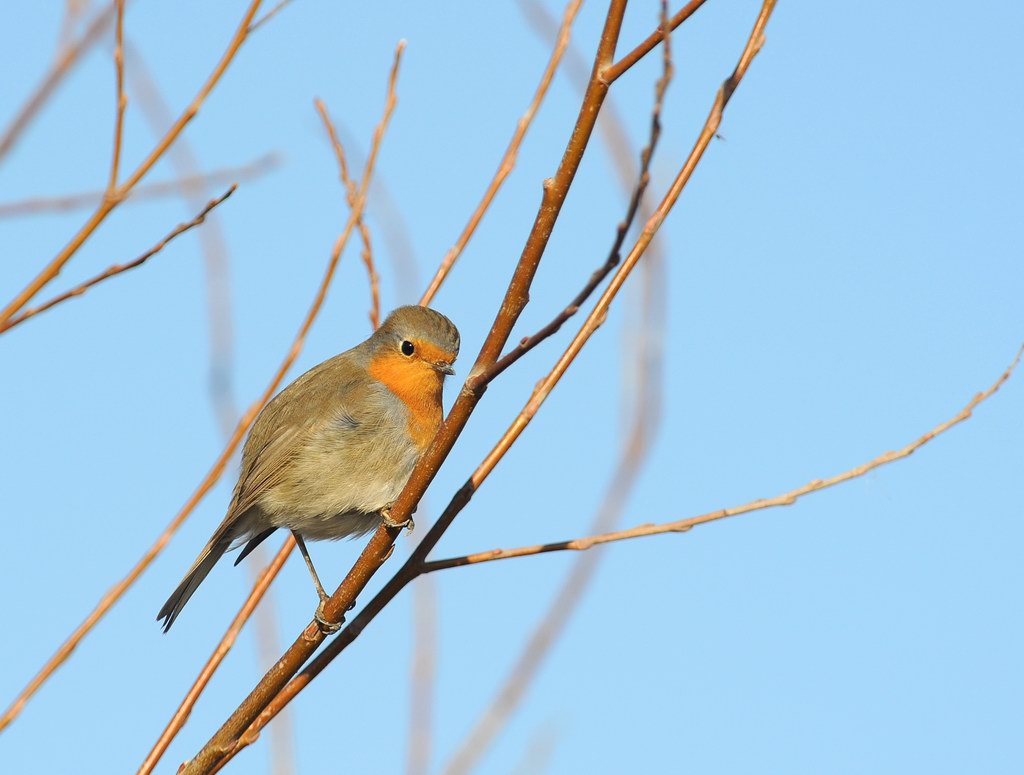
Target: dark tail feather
253, 543
200, 569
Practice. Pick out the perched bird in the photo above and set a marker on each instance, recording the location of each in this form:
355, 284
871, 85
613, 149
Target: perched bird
330, 453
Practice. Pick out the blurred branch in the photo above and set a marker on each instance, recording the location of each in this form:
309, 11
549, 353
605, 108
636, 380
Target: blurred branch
117, 269
268, 15
233, 734
122, 100
786, 499
275, 691
632, 458
351, 193
115, 197
194, 184
69, 56
508, 161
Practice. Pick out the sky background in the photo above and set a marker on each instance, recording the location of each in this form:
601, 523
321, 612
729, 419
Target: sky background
844, 273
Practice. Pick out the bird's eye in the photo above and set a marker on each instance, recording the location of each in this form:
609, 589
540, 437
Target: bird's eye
407, 348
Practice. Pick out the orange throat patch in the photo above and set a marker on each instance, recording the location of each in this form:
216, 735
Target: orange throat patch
418, 386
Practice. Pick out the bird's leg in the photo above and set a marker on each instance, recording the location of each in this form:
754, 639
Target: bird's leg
327, 626
385, 515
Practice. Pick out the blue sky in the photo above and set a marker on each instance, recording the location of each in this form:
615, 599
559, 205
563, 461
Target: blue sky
844, 273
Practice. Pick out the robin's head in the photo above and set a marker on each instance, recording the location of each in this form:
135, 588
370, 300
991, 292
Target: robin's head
419, 337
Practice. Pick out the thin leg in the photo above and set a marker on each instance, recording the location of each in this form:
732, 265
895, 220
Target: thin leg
309, 564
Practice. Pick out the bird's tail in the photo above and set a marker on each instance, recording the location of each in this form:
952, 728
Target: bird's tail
204, 563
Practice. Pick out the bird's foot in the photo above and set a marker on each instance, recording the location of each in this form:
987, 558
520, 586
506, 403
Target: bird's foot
385, 515
327, 627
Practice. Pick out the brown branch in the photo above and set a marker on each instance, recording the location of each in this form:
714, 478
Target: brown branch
652, 40
684, 525
69, 56
192, 184
51, 270
633, 456
351, 192
181, 715
228, 741
508, 161
117, 269
268, 15
122, 100
229, 738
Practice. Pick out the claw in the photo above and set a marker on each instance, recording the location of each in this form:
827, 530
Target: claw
327, 627
385, 515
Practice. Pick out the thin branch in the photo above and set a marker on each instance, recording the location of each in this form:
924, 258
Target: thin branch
229, 738
181, 715
122, 100
69, 56
351, 193
652, 40
117, 269
357, 203
508, 161
268, 15
684, 525
193, 184
51, 270
633, 456
228, 742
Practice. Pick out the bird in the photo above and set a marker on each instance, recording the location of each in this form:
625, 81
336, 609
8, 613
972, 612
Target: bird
328, 455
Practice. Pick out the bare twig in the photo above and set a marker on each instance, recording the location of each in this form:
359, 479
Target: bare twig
508, 161
268, 15
221, 748
229, 738
193, 184
70, 55
351, 193
52, 269
652, 40
122, 100
117, 269
684, 525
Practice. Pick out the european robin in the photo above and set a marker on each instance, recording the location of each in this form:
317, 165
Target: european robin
330, 453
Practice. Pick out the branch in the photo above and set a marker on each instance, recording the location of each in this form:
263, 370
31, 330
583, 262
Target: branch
69, 56
193, 184
652, 40
228, 740
374, 552
117, 269
684, 525
51, 270
508, 161
122, 100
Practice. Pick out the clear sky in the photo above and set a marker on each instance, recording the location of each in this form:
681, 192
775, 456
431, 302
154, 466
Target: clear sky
844, 273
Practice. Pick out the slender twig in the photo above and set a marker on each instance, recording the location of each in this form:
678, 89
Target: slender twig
351, 192
636, 446
122, 100
652, 40
193, 184
508, 161
684, 525
229, 738
69, 56
268, 15
117, 269
52, 269
221, 747
223, 647
357, 203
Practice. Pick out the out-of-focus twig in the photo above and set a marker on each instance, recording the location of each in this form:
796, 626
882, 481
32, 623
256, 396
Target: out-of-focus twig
786, 499
70, 55
117, 269
508, 161
268, 15
352, 193
122, 100
195, 184
632, 457
115, 197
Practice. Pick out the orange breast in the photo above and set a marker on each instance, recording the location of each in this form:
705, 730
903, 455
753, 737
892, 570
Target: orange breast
418, 386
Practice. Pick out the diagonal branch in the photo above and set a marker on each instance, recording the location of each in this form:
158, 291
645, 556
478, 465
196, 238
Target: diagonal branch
786, 499
117, 269
122, 100
652, 40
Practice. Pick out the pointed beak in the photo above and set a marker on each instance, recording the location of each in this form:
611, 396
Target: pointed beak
445, 368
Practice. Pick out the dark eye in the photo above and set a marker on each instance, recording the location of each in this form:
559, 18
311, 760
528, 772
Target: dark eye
407, 348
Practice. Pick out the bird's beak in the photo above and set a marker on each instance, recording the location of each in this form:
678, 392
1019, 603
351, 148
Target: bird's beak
445, 368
